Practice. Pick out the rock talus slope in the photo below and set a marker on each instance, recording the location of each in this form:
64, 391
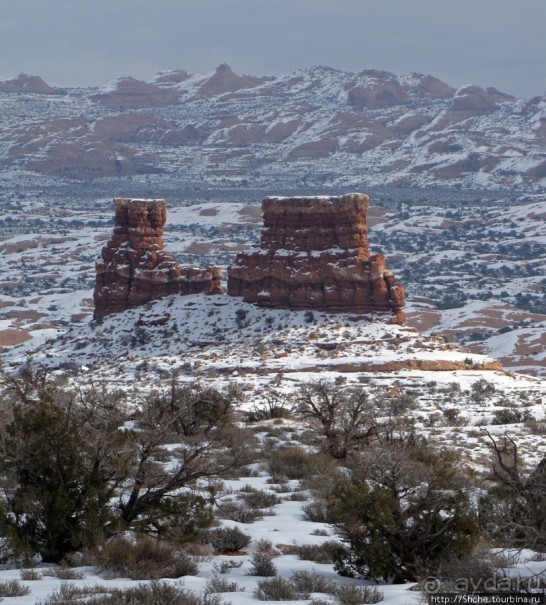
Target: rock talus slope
135, 268
314, 254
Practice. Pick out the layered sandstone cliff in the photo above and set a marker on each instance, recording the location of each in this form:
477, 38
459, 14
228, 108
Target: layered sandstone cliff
314, 254
135, 268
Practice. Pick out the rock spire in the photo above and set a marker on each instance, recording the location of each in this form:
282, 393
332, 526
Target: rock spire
134, 267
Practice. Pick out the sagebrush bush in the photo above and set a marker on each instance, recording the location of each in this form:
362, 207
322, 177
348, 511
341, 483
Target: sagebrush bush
307, 581
70, 594
350, 594
13, 588
228, 539
294, 462
277, 589
30, 575
262, 565
218, 584
154, 593
64, 573
327, 552
144, 559
316, 511
239, 512
224, 567
266, 546
257, 498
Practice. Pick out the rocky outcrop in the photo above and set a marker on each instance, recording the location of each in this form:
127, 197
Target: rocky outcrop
129, 93
24, 83
134, 267
314, 254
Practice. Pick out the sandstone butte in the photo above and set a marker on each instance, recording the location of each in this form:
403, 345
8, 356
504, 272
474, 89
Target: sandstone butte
134, 267
314, 254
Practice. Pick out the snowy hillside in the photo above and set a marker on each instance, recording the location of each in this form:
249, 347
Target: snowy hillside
313, 126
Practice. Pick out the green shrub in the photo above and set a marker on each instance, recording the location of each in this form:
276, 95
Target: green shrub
404, 510
508, 416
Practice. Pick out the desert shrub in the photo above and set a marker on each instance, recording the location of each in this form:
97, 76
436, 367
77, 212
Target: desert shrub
144, 559
64, 573
275, 405
265, 546
262, 565
257, 498
474, 572
153, 593
30, 575
316, 511
294, 462
228, 539
70, 594
277, 589
224, 567
239, 512
182, 519
396, 406
508, 416
13, 588
481, 390
325, 553
349, 594
217, 584
306, 581
298, 496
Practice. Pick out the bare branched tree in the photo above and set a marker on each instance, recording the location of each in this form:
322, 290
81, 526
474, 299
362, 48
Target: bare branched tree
345, 415
515, 508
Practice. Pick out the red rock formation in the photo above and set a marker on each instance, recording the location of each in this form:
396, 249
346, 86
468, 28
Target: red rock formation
135, 269
314, 254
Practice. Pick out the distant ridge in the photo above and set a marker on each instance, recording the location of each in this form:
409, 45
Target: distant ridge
312, 126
